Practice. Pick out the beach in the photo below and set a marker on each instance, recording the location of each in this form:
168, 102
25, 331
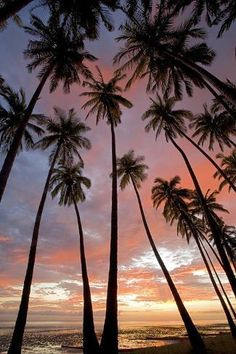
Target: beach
138, 340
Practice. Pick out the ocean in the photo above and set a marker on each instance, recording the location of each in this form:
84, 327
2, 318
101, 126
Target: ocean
53, 340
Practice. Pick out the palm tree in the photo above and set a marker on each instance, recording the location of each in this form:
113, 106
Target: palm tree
66, 135
131, 169
163, 115
86, 15
68, 181
176, 208
228, 164
60, 57
215, 127
104, 101
11, 117
151, 37
163, 121
9, 8
214, 207
211, 7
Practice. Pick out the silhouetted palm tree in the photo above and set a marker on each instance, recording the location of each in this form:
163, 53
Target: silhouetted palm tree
60, 57
176, 209
214, 127
228, 164
66, 135
131, 169
227, 15
150, 37
85, 14
68, 181
11, 115
9, 8
164, 116
157, 123
210, 7
104, 102
214, 207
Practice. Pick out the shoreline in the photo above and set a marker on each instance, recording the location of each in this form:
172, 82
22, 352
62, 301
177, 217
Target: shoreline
218, 344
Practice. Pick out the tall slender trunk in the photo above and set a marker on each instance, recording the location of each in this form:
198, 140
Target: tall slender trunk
215, 230
219, 281
11, 8
109, 342
213, 251
90, 342
11, 154
223, 174
193, 334
223, 304
230, 253
17, 337
226, 91
218, 293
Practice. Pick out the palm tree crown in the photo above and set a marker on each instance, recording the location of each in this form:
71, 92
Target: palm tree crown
85, 15
12, 116
69, 181
131, 168
150, 37
228, 164
66, 131
174, 196
162, 116
213, 126
105, 98
56, 50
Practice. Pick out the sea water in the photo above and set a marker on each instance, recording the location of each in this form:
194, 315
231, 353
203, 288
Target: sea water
54, 340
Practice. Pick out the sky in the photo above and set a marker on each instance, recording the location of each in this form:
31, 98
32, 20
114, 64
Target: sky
144, 297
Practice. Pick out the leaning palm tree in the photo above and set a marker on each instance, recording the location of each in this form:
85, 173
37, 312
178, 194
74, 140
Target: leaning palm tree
131, 169
176, 209
151, 36
163, 121
228, 164
68, 181
214, 207
11, 114
214, 127
66, 135
104, 101
162, 114
60, 57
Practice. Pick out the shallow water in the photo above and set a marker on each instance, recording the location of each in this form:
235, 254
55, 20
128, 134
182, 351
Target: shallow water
50, 340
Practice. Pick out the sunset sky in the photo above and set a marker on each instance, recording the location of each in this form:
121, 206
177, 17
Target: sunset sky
144, 297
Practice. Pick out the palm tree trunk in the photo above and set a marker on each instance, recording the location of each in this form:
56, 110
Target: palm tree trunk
17, 337
218, 278
230, 253
215, 230
11, 8
226, 91
90, 342
213, 251
109, 342
223, 304
11, 155
218, 293
193, 334
209, 159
